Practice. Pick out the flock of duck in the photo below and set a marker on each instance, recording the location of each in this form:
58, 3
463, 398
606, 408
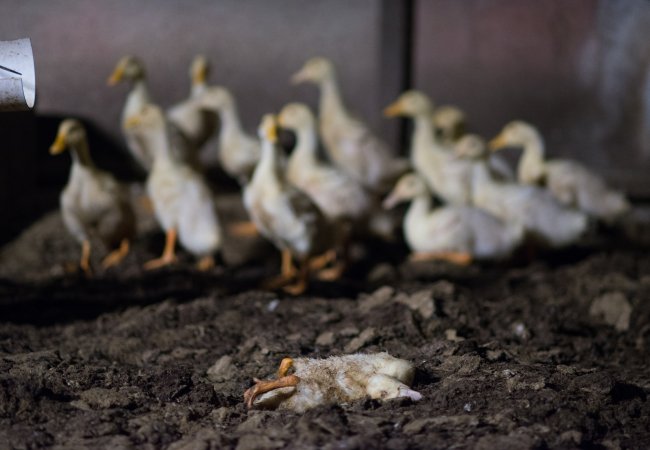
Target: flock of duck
310, 208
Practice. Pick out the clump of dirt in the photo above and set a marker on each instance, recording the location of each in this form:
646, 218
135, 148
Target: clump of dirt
549, 354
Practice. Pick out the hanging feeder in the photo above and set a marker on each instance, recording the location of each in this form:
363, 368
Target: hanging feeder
17, 76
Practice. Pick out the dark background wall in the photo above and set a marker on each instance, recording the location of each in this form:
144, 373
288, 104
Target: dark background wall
579, 69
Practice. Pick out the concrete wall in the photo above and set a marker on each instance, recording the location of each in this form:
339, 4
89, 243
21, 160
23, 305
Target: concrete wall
578, 69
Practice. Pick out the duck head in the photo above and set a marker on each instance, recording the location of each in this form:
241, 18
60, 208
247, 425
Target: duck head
296, 116
410, 104
268, 129
449, 122
407, 188
470, 146
199, 70
71, 134
128, 68
384, 387
515, 134
315, 70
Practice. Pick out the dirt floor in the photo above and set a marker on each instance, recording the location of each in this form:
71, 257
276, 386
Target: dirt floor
549, 354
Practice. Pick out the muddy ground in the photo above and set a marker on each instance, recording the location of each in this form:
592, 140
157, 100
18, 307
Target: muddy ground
548, 354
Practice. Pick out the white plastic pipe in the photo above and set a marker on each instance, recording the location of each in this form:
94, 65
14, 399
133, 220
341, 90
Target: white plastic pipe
17, 75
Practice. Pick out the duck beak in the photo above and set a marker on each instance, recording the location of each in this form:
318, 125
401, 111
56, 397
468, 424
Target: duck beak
272, 131
116, 76
59, 144
200, 75
497, 143
132, 122
393, 110
300, 77
391, 201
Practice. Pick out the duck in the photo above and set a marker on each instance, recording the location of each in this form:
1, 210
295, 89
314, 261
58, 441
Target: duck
446, 175
131, 69
545, 220
182, 201
239, 152
285, 215
454, 233
93, 203
349, 142
196, 124
570, 182
336, 380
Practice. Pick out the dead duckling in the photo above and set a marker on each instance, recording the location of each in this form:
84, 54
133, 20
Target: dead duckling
543, 217
349, 142
285, 215
196, 124
182, 201
569, 181
93, 203
456, 234
334, 380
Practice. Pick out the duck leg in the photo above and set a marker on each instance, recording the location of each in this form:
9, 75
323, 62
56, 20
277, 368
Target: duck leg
117, 255
168, 256
300, 285
84, 263
285, 366
243, 229
263, 386
458, 258
287, 272
206, 263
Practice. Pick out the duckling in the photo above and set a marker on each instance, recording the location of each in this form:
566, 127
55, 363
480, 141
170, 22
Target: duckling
457, 234
334, 380
450, 124
448, 176
349, 142
130, 68
93, 203
569, 181
536, 209
195, 123
238, 152
182, 201
285, 215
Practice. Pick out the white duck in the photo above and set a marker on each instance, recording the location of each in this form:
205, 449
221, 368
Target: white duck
337, 195
541, 215
334, 380
182, 201
130, 68
454, 233
448, 177
349, 142
285, 215
569, 181
238, 151
93, 203
196, 124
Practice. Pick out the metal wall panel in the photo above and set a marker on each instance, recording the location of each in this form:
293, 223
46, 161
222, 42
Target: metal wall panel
578, 69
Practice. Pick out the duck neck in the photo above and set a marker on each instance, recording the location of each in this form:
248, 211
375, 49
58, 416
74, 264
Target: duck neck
197, 89
331, 103
81, 155
419, 208
158, 141
304, 154
267, 171
231, 127
137, 98
423, 140
531, 166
